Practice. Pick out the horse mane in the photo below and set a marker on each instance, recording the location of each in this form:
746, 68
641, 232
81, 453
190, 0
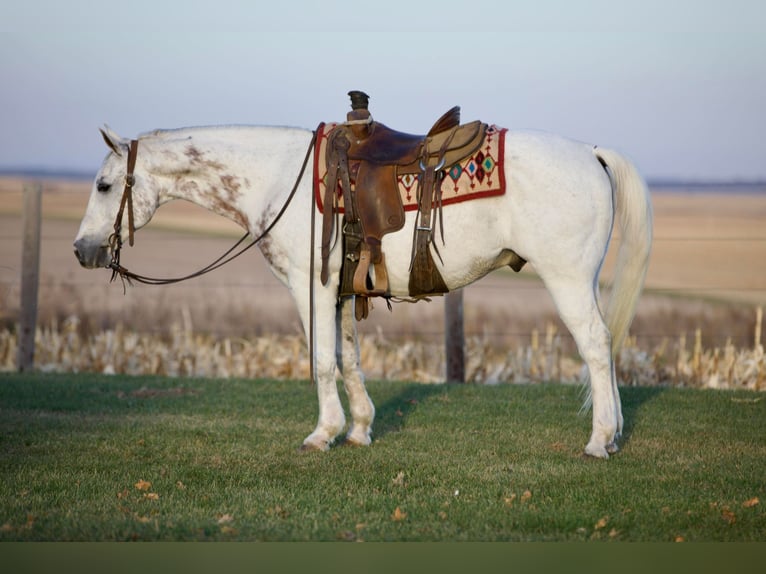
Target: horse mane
175, 133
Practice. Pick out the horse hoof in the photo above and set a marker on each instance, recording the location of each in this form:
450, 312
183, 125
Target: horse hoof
355, 443
596, 452
309, 447
612, 447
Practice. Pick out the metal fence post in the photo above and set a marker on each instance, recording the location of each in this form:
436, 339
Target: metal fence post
30, 271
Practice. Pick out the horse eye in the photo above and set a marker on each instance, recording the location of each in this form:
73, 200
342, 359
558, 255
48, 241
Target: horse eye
103, 187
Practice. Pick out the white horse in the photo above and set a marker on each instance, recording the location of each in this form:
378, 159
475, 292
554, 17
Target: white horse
558, 214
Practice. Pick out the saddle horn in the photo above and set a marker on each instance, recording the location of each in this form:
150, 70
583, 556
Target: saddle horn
359, 100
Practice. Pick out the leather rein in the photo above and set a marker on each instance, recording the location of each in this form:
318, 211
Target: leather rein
115, 239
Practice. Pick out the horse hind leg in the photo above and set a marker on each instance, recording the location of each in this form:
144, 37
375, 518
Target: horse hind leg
577, 305
347, 348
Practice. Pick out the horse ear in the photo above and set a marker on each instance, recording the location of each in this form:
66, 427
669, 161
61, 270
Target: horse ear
112, 139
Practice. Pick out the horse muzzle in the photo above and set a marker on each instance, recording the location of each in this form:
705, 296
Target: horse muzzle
91, 254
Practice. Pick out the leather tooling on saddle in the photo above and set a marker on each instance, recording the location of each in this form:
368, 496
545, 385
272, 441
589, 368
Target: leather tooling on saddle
368, 167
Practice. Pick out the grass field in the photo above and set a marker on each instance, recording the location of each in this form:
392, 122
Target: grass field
86, 457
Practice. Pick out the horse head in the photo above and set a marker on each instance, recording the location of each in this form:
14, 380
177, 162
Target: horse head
105, 223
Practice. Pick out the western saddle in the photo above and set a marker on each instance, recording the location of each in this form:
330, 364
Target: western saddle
373, 156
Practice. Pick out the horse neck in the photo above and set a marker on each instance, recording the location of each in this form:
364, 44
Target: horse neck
224, 170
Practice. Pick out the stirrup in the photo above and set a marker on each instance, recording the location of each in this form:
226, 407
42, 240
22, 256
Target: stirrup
361, 275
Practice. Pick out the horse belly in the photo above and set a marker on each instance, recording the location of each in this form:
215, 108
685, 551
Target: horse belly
474, 245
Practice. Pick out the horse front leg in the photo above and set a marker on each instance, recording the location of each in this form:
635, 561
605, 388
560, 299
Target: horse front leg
347, 346
331, 420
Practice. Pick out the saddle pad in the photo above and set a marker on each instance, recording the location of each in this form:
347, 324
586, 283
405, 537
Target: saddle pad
481, 175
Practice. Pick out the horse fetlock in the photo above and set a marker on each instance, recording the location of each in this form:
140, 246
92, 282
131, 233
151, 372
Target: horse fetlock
363, 414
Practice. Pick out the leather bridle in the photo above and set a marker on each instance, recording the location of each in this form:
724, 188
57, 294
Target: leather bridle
115, 239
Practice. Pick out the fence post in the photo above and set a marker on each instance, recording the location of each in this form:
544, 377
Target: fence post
30, 271
454, 336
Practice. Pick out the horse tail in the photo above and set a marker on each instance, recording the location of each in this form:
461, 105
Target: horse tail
633, 213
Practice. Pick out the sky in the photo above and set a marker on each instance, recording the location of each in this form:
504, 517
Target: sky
677, 85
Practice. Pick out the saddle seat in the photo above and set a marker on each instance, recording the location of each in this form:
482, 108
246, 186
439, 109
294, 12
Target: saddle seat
381, 145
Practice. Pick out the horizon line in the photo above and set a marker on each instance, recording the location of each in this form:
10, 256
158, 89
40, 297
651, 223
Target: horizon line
658, 181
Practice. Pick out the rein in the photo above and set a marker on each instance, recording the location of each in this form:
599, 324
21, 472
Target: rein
115, 240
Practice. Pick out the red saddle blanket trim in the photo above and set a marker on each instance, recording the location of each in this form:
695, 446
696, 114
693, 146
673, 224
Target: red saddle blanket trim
481, 175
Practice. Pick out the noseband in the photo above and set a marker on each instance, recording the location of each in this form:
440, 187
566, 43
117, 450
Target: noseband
115, 239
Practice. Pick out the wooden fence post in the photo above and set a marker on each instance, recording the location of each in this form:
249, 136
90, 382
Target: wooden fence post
30, 272
454, 336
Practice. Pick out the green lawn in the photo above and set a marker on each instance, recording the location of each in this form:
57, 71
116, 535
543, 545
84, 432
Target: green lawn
86, 457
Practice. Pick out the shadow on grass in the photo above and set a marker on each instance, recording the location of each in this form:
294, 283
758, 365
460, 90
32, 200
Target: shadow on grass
391, 416
633, 400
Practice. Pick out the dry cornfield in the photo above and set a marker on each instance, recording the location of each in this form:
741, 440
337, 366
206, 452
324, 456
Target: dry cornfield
182, 352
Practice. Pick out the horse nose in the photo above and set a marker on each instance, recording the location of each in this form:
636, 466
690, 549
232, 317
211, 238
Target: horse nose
78, 252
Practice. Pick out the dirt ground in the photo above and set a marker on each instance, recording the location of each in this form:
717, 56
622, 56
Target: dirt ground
707, 271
